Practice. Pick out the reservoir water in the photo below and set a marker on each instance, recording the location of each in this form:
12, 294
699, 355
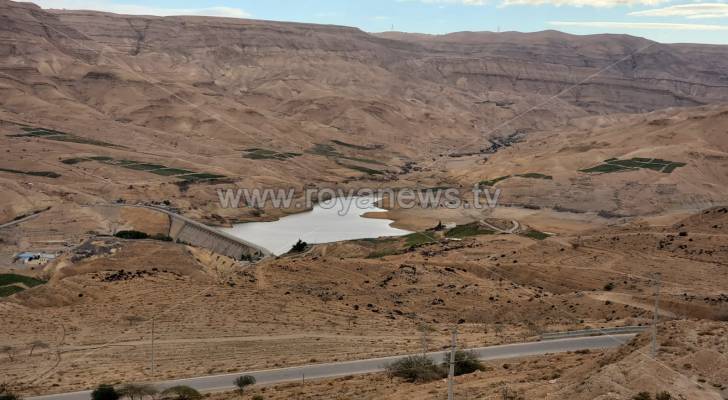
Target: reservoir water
329, 221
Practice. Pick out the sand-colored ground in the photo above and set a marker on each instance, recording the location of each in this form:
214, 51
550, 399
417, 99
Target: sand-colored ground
213, 315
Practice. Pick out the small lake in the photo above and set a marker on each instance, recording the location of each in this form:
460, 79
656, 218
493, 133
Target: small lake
329, 221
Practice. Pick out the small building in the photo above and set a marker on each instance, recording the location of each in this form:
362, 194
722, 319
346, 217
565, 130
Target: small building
34, 258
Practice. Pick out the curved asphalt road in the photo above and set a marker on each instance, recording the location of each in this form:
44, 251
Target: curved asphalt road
224, 382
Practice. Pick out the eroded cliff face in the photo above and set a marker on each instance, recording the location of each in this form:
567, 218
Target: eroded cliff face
200, 91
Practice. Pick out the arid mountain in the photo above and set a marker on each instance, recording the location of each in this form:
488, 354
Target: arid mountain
279, 104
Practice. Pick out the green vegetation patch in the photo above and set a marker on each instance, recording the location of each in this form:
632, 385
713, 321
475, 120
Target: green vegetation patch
351, 145
51, 134
361, 169
159, 169
145, 166
534, 234
46, 174
201, 177
9, 279
471, 229
535, 175
171, 171
633, 164
492, 182
6, 291
327, 150
11, 283
531, 175
265, 154
418, 238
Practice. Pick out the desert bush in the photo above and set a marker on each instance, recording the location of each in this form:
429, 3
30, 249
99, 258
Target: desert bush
137, 391
243, 381
257, 397
609, 286
162, 237
299, 246
466, 362
642, 396
6, 394
416, 369
131, 235
105, 392
181, 393
663, 396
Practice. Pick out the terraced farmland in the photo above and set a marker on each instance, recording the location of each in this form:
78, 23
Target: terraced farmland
633, 164
159, 169
265, 154
13, 283
47, 174
50, 134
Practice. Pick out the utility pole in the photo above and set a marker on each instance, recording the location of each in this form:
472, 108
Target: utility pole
656, 316
451, 373
152, 346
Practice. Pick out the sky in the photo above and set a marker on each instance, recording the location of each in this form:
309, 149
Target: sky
667, 21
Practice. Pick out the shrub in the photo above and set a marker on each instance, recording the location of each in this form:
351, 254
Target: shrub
642, 396
257, 397
663, 396
131, 235
137, 391
162, 237
466, 362
416, 369
181, 393
105, 392
242, 381
609, 286
5, 394
299, 246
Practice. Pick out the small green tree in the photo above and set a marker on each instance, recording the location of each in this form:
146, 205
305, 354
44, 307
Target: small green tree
416, 369
299, 246
105, 392
466, 362
181, 393
243, 381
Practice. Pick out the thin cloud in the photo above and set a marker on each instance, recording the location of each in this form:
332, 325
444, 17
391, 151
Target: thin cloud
640, 25
583, 3
690, 11
463, 2
137, 9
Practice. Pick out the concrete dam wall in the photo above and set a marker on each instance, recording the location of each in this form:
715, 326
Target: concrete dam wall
184, 230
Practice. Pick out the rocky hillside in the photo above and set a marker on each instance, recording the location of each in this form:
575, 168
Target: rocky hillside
270, 103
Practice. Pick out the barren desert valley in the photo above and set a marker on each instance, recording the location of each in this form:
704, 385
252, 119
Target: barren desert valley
118, 264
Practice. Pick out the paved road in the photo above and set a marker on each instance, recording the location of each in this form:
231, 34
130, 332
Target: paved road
317, 371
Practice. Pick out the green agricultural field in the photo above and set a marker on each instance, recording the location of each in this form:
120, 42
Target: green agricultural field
361, 169
418, 238
47, 174
13, 283
159, 169
535, 175
171, 171
492, 182
351, 145
471, 229
50, 134
534, 234
633, 164
265, 154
